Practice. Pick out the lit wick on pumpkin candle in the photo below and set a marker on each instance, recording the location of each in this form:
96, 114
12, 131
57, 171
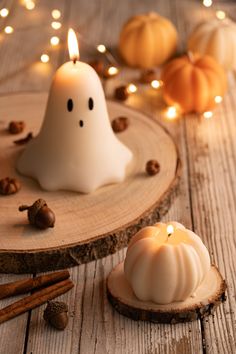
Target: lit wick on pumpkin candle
73, 46
170, 230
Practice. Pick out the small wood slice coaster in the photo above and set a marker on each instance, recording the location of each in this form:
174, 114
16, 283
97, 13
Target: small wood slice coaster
208, 296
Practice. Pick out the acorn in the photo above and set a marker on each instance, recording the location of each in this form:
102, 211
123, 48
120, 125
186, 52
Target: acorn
152, 167
16, 126
121, 93
39, 214
56, 314
120, 124
9, 185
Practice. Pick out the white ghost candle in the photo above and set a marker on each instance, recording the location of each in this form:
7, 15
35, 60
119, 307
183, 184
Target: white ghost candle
76, 148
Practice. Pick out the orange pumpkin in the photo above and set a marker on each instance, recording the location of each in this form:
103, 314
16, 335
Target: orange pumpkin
147, 40
193, 82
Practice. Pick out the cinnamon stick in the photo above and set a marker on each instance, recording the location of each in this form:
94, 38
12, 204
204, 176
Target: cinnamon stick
37, 299
26, 285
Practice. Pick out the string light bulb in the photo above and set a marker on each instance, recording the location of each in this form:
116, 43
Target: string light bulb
8, 29
221, 15
112, 70
207, 3
218, 99
55, 40
171, 112
56, 14
156, 84
4, 12
29, 5
131, 88
56, 25
208, 114
101, 48
44, 58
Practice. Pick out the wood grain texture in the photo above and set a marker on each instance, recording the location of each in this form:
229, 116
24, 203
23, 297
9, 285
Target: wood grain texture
20, 71
95, 327
211, 152
87, 226
16, 327
212, 146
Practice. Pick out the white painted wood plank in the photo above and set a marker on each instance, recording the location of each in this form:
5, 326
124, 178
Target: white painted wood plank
12, 333
212, 157
20, 72
212, 169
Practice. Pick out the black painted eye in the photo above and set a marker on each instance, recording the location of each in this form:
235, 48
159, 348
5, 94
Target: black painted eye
90, 103
70, 105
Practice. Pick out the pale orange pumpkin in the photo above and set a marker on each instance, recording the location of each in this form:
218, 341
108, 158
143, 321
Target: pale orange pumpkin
216, 38
147, 40
192, 82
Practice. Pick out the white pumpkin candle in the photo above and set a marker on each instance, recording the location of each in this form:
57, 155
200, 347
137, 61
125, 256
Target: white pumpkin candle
166, 263
76, 148
216, 38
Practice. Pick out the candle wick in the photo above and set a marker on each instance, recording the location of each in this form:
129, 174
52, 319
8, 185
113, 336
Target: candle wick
74, 60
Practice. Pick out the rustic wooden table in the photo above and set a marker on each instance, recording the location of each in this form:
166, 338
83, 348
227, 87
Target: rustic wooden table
205, 202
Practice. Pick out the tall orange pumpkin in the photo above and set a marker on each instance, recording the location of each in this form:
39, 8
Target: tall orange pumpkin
147, 40
193, 82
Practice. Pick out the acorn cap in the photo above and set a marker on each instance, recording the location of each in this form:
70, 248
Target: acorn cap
34, 209
54, 308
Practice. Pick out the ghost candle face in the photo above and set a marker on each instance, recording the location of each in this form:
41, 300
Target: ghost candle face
76, 148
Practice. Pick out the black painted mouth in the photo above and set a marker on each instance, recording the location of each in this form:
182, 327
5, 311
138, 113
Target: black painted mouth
81, 123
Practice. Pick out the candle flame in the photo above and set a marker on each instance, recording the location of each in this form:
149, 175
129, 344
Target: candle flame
170, 229
73, 45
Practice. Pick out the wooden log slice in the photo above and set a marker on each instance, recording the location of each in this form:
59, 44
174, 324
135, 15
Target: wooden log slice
87, 226
208, 296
